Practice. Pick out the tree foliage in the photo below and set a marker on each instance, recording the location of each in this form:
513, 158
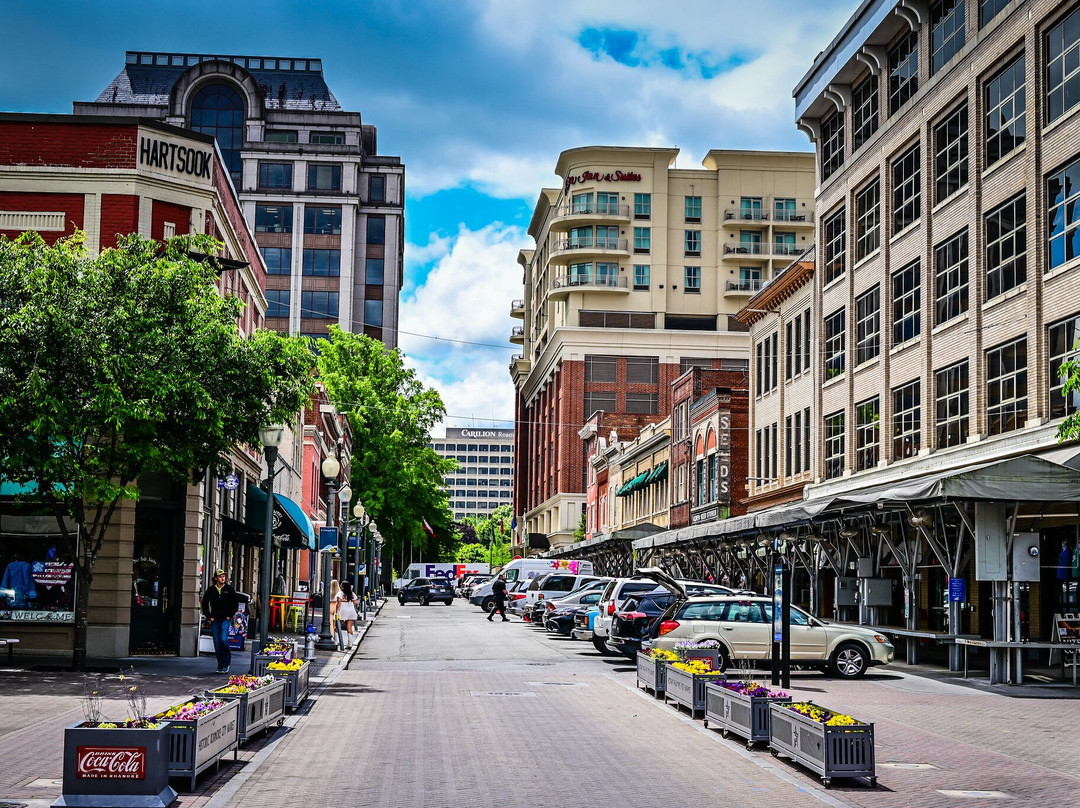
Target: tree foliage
122, 365
395, 473
490, 533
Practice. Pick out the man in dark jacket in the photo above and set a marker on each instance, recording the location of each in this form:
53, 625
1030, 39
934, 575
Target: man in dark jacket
498, 592
220, 604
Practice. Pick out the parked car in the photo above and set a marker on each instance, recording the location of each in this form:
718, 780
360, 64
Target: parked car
620, 589
743, 626
559, 615
583, 623
466, 582
425, 591
539, 600
555, 585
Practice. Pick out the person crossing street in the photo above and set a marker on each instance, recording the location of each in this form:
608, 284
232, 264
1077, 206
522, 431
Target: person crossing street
498, 592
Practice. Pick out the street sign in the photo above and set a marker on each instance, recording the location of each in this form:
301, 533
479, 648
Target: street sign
328, 538
778, 596
957, 590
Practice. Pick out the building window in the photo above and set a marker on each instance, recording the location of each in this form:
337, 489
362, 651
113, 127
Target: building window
280, 136
373, 271
1006, 115
1063, 197
642, 239
607, 203
376, 229
864, 110
868, 326
322, 263
951, 153
867, 220
1063, 342
907, 183
319, 304
1063, 67
797, 443
767, 354
693, 208
580, 237
600, 369
322, 220
784, 244
642, 206
642, 370
1006, 387
951, 271
642, 403
907, 302
750, 208
834, 344
323, 177
692, 242
275, 176
867, 434
273, 218
692, 280
278, 260
903, 71
832, 144
373, 313
595, 402
946, 32
277, 302
988, 9
377, 188
785, 210
607, 237
834, 445
582, 203
327, 138
797, 345
951, 416
835, 237
907, 420
218, 110
1006, 246
641, 276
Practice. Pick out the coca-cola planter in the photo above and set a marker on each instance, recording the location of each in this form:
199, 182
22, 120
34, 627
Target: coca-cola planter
116, 768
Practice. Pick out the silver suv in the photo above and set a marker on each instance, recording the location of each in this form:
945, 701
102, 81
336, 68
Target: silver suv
743, 625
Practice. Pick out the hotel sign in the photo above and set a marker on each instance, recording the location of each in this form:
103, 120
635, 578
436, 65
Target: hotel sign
175, 157
607, 176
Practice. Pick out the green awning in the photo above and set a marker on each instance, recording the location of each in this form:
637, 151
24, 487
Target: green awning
633, 485
657, 474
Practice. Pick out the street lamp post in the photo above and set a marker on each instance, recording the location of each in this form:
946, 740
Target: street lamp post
271, 437
361, 522
376, 555
330, 470
344, 497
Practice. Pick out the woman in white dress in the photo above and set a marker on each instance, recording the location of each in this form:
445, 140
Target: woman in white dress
346, 610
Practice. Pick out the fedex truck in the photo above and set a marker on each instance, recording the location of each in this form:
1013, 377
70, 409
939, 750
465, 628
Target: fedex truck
443, 572
520, 571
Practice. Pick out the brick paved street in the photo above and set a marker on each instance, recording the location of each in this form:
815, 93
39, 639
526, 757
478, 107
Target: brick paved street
441, 708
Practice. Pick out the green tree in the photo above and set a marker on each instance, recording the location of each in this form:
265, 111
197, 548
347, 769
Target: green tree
493, 532
472, 553
122, 365
579, 533
397, 476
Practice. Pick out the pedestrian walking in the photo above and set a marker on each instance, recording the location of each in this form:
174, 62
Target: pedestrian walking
332, 606
220, 603
498, 592
346, 610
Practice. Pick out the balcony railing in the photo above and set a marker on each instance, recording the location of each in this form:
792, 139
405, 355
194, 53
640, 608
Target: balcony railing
746, 215
744, 248
608, 281
781, 248
593, 209
517, 305
517, 333
793, 216
592, 244
752, 285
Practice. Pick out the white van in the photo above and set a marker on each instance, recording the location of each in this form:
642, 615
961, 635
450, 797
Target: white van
524, 570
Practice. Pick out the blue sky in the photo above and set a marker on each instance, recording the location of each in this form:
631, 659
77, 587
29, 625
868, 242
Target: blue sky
478, 97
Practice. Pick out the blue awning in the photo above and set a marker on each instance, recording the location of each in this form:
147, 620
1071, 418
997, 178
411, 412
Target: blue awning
292, 527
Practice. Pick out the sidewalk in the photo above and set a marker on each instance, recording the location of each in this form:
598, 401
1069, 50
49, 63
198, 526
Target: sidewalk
37, 702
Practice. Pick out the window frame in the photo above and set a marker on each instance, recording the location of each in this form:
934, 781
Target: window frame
1005, 94
265, 169
834, 238
867, 433
322, 220
1054, 55
1007, 389
956, 391
865, 110
1065, 177
1006, 273
868, 326
692, 279
833, 445
867, 219
641, 276
283, 263
832, 144
948, 27
692, 242
951, 153
277, 301
903, 71
907, 419
308, 298
692, 208
642, 206
907, 188
833, 344
952, 280
1060, 347
642, 239
907, 303
316, 174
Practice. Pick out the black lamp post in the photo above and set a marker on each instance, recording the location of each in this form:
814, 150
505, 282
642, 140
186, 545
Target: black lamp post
271, 437
361, 523
330, 469
344, 498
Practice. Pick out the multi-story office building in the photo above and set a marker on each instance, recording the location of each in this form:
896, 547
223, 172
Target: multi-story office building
484, 477
637, 270
327, 209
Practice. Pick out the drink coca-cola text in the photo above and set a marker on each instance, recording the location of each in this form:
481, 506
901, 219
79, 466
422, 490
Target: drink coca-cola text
111, 762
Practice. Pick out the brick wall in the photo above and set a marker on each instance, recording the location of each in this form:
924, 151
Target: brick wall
119, 215
179, 215
73, 206
42, 143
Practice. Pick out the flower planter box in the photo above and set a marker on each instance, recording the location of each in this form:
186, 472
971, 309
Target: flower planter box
652, 674
297, 684
746, 716
710, 655
196, 744
688, 689
840, 751
262, 660
116, 767
258, 708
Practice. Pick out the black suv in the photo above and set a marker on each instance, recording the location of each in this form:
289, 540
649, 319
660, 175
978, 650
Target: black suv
425, 591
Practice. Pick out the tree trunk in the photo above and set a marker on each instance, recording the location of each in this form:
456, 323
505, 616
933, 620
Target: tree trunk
84, 577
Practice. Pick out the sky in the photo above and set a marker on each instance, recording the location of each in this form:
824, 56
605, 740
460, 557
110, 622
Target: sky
478, 98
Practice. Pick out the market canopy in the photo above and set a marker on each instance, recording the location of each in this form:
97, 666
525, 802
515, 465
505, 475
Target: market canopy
292, 527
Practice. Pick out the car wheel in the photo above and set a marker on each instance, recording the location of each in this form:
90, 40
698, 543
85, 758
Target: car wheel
487, 604
849, 661
423, 600
723, 660
601, 646
401, 599
449, 603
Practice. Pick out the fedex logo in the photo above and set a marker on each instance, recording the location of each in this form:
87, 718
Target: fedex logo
447, 571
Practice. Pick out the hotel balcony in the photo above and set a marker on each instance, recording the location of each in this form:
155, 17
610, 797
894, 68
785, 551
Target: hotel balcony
744, 288
517, 335
517, 309
736, 214
576, 250
563, 285
568, 215
802, 217
742, 250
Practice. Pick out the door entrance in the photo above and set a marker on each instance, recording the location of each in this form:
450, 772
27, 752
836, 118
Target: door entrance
154, 594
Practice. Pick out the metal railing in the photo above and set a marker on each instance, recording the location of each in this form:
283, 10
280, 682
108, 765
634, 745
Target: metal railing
517, 331
517, 305
608, 281
593, 209
747, 248
745, 286
780, 248
803, 215
746, 215
592, 243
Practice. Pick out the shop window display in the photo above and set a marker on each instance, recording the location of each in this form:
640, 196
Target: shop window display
37, 579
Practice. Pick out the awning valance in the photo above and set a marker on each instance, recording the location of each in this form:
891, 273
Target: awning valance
239, 533
292, 527
633, 485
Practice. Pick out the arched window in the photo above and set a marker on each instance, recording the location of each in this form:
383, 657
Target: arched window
218, 110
